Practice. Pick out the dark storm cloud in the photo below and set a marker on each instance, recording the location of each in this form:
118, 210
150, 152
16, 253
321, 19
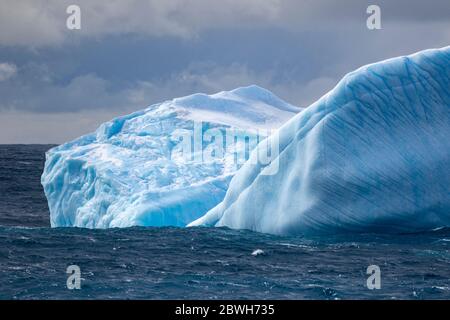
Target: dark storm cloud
130, 54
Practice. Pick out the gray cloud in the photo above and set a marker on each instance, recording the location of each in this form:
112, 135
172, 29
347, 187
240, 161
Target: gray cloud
54, 114
7, 70
37, 22
90, 92
57, 84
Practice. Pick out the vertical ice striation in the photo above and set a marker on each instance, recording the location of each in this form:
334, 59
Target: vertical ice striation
372, 155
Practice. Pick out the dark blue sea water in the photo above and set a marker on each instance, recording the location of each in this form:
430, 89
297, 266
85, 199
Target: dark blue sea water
197, 263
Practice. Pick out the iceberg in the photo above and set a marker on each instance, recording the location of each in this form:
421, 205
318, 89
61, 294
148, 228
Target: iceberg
372, 155
162, 166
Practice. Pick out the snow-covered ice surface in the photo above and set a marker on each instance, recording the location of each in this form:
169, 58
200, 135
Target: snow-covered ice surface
372, 155
134, 170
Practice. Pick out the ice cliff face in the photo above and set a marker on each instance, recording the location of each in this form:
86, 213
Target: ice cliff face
372, 155
163, 166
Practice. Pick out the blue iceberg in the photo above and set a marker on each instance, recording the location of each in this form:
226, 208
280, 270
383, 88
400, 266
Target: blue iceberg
372, 155
166, 165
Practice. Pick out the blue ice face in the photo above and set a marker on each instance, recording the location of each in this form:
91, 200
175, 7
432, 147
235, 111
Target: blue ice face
166, 165
372, 155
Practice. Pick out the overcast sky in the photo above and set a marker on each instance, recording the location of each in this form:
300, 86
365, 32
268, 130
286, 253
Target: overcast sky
57, 84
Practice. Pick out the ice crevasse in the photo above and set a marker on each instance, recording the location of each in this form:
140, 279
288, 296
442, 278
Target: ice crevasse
372, 155
160, 166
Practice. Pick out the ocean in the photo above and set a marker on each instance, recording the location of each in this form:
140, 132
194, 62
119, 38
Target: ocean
198, 263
